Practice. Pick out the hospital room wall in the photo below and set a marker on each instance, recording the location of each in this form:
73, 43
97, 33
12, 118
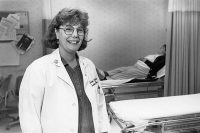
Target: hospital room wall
122, 30
34, 8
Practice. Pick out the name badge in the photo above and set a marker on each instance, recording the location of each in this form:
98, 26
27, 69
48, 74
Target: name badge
94, 82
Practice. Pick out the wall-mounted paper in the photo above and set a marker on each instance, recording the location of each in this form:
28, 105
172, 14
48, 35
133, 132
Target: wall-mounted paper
8, 55
10, 23
3, 31
17, 20
24, 43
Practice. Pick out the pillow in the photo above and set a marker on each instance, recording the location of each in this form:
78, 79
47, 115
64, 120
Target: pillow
152, 57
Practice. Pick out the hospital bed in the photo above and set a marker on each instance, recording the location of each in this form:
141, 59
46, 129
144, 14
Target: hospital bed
172, 114
138, 87
114, 87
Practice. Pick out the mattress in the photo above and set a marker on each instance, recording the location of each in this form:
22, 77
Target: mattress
169, 113
151, 108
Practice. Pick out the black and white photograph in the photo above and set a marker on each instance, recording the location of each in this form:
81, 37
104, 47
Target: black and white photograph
99, 66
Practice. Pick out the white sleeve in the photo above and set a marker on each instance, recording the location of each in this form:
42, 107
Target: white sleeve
104, 124
30, 100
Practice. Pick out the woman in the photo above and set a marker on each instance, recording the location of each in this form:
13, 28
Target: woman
146, 67
60, 92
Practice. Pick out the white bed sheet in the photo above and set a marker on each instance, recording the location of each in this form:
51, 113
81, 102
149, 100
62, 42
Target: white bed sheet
137, 110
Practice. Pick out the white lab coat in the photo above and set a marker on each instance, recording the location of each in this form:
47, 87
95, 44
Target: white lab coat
48, 102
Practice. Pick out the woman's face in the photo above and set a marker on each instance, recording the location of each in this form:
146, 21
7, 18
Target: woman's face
70, 37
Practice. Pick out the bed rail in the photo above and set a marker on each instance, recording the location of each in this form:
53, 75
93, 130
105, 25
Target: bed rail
110, 93
189, 123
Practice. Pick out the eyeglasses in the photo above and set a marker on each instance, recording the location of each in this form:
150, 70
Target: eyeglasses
69, 30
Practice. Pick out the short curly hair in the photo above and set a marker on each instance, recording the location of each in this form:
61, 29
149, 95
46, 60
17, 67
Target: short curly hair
66, 15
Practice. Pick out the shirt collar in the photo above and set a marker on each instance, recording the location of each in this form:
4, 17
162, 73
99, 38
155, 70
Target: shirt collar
65, 63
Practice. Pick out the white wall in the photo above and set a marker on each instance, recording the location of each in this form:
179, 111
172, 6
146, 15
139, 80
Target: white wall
34, 8
122, 30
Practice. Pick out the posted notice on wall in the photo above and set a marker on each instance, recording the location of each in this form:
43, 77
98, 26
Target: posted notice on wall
8, 27
8, 55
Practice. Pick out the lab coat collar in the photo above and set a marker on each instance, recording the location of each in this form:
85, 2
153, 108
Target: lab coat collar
60, 69
56, 58
65, 63
58, 62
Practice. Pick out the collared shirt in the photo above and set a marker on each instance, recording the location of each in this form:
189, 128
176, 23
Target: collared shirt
86, 124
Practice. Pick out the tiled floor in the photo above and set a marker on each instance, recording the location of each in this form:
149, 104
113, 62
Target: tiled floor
14, 129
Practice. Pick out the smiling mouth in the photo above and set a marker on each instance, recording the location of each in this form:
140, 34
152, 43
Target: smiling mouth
73, 41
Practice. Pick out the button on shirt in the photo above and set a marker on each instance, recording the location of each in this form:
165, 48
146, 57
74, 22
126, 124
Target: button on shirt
85, 124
